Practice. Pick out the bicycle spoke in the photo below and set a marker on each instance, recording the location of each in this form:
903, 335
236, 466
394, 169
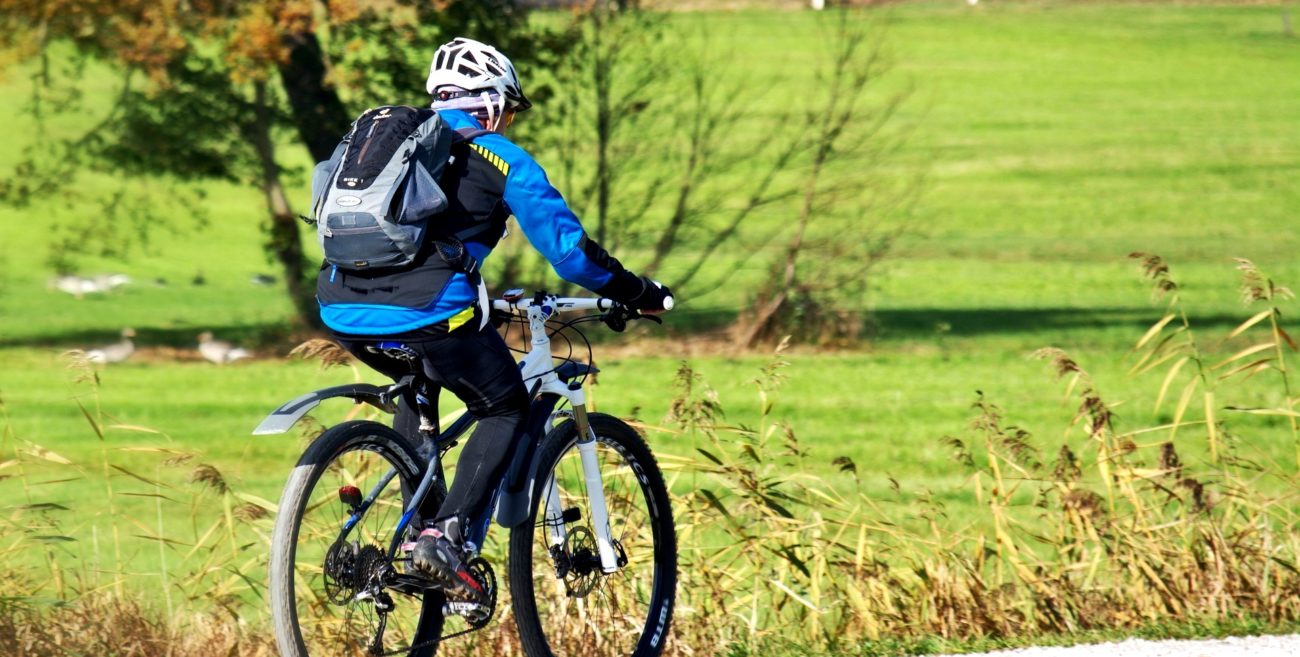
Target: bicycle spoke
611, 614
340, 604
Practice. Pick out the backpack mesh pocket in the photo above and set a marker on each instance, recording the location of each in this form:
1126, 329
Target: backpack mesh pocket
357, 240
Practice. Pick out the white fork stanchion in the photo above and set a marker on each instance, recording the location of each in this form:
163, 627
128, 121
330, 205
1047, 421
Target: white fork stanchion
596, 498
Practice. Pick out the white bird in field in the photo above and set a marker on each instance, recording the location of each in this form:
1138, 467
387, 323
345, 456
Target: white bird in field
218, 351
79, 286
116, 352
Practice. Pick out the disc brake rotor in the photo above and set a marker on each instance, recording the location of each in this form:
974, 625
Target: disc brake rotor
584, 563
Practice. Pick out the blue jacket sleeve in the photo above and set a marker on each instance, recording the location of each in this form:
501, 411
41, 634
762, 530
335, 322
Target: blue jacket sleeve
555, 231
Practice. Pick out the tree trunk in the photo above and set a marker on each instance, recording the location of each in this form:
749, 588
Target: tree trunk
604, 132
321, 120
283, 240
318, 112
780, 289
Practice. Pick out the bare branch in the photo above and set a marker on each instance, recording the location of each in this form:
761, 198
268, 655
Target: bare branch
841, 135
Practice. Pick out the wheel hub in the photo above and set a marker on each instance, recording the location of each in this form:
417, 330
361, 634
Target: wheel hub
583, 571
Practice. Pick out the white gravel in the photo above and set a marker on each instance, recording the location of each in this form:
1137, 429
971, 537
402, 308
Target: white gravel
1237, 646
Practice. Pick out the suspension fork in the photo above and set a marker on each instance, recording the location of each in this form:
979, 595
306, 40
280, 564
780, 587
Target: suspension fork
595, 489
556, 534
539, 358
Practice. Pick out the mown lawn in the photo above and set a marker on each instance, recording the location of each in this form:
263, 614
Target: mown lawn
1055, 138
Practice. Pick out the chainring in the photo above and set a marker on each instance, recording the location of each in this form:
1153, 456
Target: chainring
482, 570
476, 610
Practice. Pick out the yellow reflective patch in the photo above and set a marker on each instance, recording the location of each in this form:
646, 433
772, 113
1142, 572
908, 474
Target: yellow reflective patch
492, 158
458, 320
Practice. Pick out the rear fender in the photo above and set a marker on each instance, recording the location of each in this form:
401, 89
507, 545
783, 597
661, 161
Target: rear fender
282, 419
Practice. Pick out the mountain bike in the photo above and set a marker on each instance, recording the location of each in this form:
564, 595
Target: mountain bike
592, 554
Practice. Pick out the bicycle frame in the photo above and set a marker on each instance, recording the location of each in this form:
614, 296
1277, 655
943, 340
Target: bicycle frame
513, 497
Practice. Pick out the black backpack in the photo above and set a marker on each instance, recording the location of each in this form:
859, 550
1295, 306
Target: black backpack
375, 198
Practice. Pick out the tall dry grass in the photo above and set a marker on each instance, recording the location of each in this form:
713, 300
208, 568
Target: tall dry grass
163, 562
1112, 527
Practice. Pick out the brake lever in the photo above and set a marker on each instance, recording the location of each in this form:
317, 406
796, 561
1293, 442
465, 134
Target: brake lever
615, 320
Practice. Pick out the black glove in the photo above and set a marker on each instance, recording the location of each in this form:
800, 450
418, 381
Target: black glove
653, 297
636, 292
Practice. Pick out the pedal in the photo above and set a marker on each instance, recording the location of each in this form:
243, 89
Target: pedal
477, 614
571, 515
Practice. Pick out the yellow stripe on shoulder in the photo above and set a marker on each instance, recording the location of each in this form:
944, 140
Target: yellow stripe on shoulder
492, 158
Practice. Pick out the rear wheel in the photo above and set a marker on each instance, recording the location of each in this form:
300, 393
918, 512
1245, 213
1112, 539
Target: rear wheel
564, 602
337, 597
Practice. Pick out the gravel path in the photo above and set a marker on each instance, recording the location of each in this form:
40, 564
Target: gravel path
1243, 646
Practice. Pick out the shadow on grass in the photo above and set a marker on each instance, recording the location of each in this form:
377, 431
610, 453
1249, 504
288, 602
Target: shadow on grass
902, 323
912, 323
889, 324
257, 336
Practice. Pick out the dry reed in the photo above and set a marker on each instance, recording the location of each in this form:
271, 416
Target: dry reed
1115, 527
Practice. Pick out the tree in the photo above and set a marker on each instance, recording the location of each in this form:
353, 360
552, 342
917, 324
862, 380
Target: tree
599, 131
642, 145
210, 88
816, 289
669, 162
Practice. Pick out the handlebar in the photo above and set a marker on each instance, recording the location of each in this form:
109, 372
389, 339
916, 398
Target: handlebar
563, 304
558, 304
616, 314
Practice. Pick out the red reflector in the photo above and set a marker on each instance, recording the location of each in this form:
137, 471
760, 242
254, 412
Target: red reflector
350, 495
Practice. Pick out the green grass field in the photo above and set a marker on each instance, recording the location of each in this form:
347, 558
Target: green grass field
1055, 137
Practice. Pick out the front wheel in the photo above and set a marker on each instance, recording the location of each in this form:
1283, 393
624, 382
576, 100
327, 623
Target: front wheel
334, 588
564, 600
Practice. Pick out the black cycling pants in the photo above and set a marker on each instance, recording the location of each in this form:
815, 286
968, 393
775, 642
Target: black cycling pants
477, 367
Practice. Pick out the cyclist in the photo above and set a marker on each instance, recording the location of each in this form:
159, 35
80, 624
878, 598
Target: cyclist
433, 314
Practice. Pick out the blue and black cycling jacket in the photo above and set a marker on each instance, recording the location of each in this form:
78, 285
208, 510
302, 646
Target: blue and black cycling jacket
488, 180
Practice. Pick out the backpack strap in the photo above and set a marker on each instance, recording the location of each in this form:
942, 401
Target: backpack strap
473, 231
470, 134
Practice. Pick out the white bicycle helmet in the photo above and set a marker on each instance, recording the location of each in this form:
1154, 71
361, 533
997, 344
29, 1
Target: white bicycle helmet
468, 74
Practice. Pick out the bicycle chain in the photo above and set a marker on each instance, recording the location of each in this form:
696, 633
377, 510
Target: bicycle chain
428, 643
485, 568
